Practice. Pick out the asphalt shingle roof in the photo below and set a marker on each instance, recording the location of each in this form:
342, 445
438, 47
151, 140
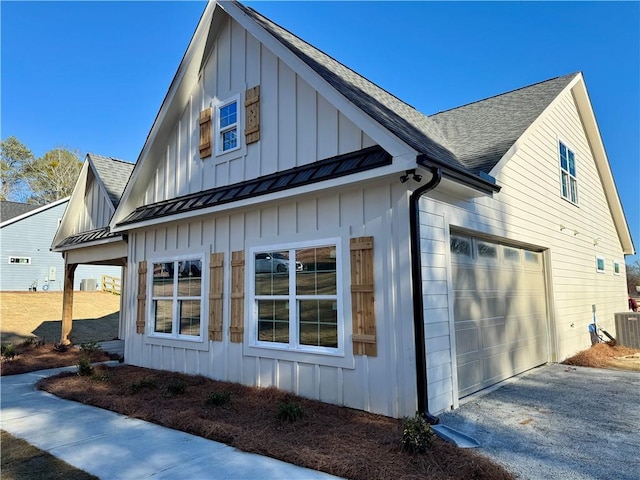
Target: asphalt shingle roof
480, 133
114, 174
9, 210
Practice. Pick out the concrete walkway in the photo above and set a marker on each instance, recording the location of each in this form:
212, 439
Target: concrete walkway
112, 446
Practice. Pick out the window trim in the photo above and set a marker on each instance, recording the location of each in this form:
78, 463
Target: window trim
218, 131
563, 172
175, 335
294, 346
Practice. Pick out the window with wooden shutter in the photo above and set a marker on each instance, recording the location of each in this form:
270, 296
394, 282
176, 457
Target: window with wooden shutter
205, 132
216, 274
142, 296
252, 115
362, 297
236, 327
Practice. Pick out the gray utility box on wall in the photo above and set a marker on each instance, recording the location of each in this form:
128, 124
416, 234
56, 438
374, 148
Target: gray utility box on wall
628, 329
88, 284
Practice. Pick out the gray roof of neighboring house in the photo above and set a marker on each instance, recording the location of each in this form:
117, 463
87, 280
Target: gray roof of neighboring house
480, 133
470, 139
114, 174
9, 210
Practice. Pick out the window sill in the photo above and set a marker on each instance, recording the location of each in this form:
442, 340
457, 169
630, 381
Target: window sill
197, 343
340, 360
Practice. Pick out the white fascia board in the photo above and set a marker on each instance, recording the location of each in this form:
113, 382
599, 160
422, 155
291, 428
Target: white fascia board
33, 212
181, 86
75, 202
373, 129
585, 110
374, 174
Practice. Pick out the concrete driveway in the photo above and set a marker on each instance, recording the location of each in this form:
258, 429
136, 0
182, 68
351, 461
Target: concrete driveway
559, 422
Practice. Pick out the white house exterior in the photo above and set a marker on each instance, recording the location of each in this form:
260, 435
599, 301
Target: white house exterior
289, 223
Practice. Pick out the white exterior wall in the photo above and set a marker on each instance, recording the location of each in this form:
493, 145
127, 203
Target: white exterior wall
384, 384
297, 126
97, 209
529, 210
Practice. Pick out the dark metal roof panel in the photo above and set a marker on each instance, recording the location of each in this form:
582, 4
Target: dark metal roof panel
87, 237
341, 165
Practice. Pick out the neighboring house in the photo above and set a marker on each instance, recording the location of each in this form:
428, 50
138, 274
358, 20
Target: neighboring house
291, 224
83, 236
26, 262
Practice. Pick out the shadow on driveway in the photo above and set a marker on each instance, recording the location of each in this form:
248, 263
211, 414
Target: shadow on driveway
558, 421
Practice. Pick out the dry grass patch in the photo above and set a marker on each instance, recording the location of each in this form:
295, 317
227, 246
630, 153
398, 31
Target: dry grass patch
21, 460
341, 441
607, 355
31, 356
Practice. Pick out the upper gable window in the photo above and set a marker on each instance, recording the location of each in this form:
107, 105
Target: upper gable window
227, 126
568, 174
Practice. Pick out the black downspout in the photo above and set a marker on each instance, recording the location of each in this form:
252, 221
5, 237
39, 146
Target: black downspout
418, 307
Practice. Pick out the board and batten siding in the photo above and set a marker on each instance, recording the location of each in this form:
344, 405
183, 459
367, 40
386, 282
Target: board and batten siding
97, 210
31, 237
297, 125
383, 384
530, 210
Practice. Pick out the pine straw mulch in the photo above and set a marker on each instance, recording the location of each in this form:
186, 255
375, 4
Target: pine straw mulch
338, 440
33, 356
607, 355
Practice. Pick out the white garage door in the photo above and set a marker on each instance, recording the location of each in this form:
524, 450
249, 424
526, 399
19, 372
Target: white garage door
500, 311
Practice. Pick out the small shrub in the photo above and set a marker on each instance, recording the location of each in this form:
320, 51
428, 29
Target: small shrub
101, 377
60, 347
8, 351
85, 369
90, 347
218, 398
177, 387
416, 434
289, 411
149, 383
27, 342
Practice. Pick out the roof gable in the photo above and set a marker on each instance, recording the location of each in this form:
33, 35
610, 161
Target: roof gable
27, 212
113, 173
481, 132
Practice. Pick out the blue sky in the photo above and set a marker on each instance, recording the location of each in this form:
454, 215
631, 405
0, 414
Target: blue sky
91, 75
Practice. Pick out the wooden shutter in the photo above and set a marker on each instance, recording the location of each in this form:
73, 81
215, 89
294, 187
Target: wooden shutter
142, 296
216, 275
252, 114
236, 328
362, 300
205, 132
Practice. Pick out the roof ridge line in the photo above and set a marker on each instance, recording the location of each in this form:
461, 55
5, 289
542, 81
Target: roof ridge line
503, 93
110, 158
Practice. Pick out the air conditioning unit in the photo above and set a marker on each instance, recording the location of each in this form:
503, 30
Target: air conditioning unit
628, 329
88, 284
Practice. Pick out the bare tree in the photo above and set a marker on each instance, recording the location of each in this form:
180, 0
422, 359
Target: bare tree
14, 156
633, 277
52, 176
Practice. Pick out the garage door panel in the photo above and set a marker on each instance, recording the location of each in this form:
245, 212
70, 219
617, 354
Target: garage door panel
500, 314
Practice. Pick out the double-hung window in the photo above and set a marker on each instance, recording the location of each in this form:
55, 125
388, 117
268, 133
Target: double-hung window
176, 294
227, 126
295, 296
568, 174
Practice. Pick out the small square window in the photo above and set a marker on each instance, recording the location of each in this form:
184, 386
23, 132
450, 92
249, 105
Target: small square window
600, 264
616, 268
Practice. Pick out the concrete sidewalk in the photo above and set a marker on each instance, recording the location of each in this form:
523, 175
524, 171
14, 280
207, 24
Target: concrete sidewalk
112, 446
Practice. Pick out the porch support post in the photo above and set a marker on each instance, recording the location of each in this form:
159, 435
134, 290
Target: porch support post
67, 303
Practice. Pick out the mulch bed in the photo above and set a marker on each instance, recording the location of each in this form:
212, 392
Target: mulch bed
341, 441
600, 355
32, 356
